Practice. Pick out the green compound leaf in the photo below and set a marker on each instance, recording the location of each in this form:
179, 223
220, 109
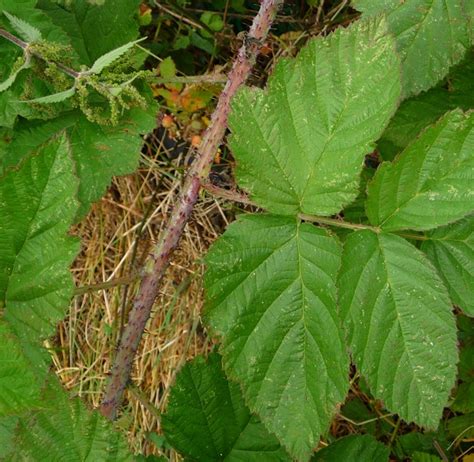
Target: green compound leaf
271, 296
417, 113
431, 183
300, 144
98, 152
106, 60
207, 419
67, 431
400, 326
431, 35
18, 383
37, 206
360, 448
26, 30
451, 249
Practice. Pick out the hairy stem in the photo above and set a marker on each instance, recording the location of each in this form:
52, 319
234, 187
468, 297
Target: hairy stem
159, 259
25, 46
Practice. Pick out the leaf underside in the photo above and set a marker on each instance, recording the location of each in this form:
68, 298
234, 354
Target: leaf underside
300, 144
271, 295
400, 325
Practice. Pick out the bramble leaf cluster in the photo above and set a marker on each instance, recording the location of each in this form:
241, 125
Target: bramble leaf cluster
291, 298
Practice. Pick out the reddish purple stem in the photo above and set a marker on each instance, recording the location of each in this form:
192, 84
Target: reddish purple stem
158, 261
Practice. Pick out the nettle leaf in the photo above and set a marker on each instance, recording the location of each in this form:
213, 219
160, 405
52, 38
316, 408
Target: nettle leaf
207, 419
67, 431
26, 30
300, 144
6, 84
37, 206
360, 448
400, 326
99, 152
94, 30
106, 60
417, 113
18, 383
431, 182
10, 100
431, 35
54, 98
271, 295
451, 249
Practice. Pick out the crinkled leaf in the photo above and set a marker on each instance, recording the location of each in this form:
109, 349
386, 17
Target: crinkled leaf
451, 249
271, 296
54, 98
26, 30
98, 152
300, 144
67, 431
106, 60
418, 112
400, 325
18, 384
37, 206
360, 448
220, 426
431, 36
431, 183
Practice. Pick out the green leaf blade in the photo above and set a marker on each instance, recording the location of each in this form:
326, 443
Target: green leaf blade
307, 134
400, 325
415, 114
98, 152
67, 430
54, 98
220, 426
431, 182
37, 205
451, 250
360, 448
18, 384
26, 30
431, 35
271, 296
108, 58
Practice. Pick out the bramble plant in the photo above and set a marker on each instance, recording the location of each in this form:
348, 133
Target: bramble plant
344, 264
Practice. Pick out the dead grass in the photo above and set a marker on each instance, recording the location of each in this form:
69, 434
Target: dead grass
87, 337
